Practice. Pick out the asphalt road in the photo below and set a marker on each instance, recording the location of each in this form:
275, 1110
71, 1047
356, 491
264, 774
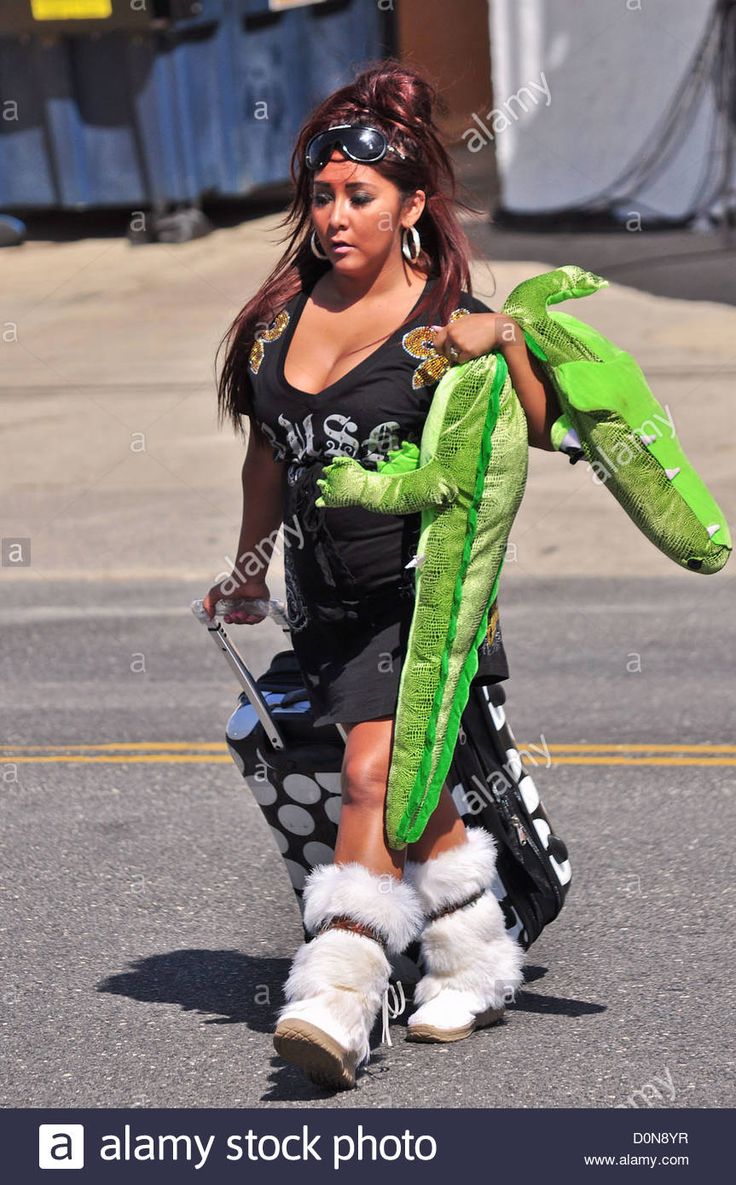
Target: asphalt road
148, 921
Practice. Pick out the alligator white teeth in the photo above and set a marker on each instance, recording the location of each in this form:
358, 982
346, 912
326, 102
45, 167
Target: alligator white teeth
670, 473
570, 441
648, 439
416, 561
712, 529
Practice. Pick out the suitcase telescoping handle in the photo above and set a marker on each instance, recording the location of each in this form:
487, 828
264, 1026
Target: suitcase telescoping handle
216, 631
272, 608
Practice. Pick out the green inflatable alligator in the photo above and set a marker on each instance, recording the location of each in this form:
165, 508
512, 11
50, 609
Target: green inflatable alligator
468, 478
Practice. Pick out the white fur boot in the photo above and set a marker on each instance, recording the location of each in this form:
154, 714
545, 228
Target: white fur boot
339, 978
472, 964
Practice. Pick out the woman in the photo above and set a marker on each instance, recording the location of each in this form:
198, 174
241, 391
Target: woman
339, 353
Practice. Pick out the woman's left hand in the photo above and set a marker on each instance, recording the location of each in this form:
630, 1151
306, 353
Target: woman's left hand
476, 334
481, 333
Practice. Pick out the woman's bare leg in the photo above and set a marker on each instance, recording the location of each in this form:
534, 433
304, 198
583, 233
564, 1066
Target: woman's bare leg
445, 829
361, 834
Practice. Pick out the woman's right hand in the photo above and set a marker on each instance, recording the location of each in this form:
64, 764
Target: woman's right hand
252, 590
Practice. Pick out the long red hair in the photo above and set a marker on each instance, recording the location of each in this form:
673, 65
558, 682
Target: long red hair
400, 101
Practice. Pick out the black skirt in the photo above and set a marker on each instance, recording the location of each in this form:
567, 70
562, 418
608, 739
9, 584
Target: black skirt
352, 669
350, 641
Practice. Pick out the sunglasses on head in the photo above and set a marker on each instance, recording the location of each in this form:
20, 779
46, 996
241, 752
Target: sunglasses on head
356, 140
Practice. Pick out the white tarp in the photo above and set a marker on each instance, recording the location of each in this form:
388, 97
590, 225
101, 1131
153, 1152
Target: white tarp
579, 85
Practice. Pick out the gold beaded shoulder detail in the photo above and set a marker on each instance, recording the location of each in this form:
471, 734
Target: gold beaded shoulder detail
271, 334
419, 342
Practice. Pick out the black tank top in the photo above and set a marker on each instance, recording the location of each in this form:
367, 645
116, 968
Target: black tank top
350, 556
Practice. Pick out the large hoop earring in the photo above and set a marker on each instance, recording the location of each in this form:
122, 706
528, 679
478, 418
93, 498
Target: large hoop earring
416, 243
313, 243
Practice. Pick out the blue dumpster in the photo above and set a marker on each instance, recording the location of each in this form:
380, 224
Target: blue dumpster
201, 100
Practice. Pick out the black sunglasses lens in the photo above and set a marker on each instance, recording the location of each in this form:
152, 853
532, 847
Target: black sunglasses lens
365, 143
317, 149
360, 144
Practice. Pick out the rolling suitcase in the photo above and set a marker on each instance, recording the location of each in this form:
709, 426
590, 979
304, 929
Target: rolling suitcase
292, 769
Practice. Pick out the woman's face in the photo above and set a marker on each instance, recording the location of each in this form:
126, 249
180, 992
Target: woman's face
354, 204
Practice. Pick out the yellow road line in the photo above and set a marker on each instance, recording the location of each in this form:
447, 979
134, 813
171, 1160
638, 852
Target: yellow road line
593, 760
223, 757
145, 759
167, 745
593, 748
526, 747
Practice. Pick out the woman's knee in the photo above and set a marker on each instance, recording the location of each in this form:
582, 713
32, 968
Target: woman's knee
366, 764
